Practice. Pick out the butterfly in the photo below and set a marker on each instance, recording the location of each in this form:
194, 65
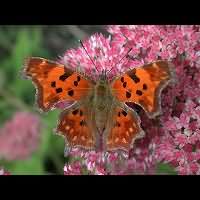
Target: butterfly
99, 118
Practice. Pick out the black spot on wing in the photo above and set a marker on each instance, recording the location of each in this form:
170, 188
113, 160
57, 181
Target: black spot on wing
65, 75
53, 84
59, 90
133, 76
139, 92
78, 78
144, 86
128, 94
124, 113
124, 84
71, 93
75, 112
76, 83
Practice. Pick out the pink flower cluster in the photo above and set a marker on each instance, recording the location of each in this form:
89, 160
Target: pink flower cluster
99, 163
85, 162
172, 138
102, 52
150, 43
20, 136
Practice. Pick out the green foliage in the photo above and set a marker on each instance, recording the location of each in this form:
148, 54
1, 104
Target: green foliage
166, 169
18, 43
33, 165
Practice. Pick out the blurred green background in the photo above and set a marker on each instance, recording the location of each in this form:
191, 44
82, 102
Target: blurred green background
16, 94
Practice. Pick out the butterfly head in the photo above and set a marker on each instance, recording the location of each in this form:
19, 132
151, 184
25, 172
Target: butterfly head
103, 77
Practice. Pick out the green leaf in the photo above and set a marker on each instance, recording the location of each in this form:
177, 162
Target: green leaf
163, 168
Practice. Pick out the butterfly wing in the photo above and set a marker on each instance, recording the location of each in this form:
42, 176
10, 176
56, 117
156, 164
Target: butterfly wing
124, 128
77, 126
143, 86
55, 83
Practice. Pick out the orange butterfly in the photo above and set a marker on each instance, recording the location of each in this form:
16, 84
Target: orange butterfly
99, 118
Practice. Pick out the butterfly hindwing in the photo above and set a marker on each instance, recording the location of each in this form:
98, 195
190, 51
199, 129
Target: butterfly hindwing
143, 85
76, 126
55, 82
124, 129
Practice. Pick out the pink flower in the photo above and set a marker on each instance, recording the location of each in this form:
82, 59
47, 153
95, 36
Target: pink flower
174, 137
180, 140
164, 41
102, 53
20, 136
73, 169
101, 163
177, 139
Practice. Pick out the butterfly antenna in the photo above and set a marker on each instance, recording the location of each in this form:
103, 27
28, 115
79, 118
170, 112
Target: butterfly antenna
125, 37
88, 55
120, 60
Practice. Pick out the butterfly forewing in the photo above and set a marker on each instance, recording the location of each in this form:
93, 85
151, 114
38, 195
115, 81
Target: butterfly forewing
55, 82
143, 85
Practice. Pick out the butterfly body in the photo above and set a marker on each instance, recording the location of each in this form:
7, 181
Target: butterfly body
100, 104
103, 100
99, 119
